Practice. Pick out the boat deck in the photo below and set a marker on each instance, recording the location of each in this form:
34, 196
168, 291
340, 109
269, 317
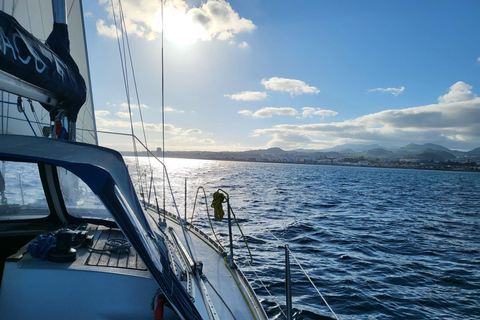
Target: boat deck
228, 289
117, 284
101, 257
113, 288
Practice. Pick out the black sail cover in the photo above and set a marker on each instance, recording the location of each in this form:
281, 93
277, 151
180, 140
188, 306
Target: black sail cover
48, 66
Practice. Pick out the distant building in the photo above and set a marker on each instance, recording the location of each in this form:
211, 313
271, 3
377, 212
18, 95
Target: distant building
412, 160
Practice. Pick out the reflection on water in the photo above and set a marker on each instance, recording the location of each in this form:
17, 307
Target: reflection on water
379, 243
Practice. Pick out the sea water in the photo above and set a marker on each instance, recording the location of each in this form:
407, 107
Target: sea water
377, 243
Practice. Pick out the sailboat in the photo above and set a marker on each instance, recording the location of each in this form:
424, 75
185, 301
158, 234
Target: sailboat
76, 241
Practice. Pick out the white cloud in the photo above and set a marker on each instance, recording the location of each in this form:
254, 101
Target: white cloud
289, 140
308, 112
122, 114
191, 132
183, 142
101, 113
292, 86
124, 105
178, 137
245, 112
107, 31
170, 109
89, 14
460, 91
394, 91
478, 59
117, 125
247, 96
243, 45
453, 121
214, 19
271, 111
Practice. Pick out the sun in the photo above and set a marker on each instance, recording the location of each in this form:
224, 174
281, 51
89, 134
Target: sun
180, 27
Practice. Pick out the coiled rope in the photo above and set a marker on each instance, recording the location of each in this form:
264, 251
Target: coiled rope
42, 246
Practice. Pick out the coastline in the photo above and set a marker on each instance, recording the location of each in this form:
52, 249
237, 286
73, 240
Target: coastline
459, 167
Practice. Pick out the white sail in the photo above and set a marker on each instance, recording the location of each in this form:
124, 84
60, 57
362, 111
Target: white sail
37, 18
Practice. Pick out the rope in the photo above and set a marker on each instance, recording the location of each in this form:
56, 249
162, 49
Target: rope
21, 109
221, 298
218, 199
116, 245
8, 102
163, 108
208, 215
310, 279
268, 291
43, 245
241, 232
125, 37
239, 287
125, 79
35, 115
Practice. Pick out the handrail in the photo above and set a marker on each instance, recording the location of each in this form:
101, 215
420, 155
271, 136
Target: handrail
183, 227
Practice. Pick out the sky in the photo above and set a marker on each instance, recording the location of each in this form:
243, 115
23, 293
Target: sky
255, 74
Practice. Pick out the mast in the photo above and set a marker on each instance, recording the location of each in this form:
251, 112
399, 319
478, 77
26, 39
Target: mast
59, 8
46, 72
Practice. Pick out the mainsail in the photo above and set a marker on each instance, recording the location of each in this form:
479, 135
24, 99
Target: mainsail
49, 67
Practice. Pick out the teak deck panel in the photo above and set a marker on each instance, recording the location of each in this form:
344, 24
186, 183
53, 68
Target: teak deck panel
126, 260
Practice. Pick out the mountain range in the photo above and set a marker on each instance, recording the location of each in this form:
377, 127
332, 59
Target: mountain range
425, 152
414, 152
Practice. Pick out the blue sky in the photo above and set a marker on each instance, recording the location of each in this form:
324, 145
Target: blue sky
312, 74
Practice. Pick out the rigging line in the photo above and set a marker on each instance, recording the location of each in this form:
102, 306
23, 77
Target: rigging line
29, 19
121, 49
182, 222
35, 115
8, 113
125, 81
2, 112
122, 17
268, 291
44, 39
298, 263
163, 108
70, 9
310, 279
20, 119
41, 17
14, 6
124, 33
8, 102
29, 123
221, 298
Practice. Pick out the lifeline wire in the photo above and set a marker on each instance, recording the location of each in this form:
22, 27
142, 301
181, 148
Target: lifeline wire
303, 270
